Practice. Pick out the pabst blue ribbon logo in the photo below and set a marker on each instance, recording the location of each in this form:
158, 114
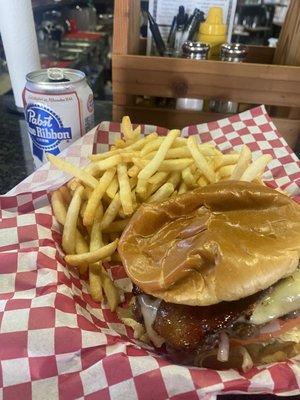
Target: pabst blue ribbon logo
46, 130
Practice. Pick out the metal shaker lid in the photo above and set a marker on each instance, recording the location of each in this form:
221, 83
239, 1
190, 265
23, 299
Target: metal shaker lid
193, 49
233, 52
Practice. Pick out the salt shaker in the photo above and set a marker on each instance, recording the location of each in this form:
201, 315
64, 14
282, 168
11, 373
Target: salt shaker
195, 51
232, 53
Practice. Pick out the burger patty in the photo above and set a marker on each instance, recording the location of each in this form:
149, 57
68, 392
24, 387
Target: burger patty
191, 327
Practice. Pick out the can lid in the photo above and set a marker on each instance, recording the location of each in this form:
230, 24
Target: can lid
55, 76
195, 47
233, 50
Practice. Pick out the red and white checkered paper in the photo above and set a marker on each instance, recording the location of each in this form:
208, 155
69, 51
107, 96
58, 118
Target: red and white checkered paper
56, 343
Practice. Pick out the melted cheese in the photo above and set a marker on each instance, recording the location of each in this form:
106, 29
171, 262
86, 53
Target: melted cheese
149, 309
284, 299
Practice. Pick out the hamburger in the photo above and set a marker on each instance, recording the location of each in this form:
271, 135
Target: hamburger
215, 274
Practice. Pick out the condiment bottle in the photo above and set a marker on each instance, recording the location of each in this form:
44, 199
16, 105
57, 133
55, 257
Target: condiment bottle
232, 53
196, 51
213, 31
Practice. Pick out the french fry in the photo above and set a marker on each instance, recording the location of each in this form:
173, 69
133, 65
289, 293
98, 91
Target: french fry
81, 246
111, 292
174, 178
133, 147
152, 188
226, 171
156, 161
72, 184
137, 131
82, 208
103, 156
94, 269
226, 159
140, 162
69, 232
182, 188
188, 178
175, 165
96, 234
87, 193
256, 168
72, 170
141, 188
106, 200
65, 194
196, 173
151, 146
243, 162
208, 150
126, 128
176, 152
202, 181
166, 165
120, 144
112, 188
125, 191
136, 134
134, 201
109, 162
158, 178
200, 160
59, 208
133, 182
92, 256
96, 196
178, 142
133, 171
128, 156
95, 282
83, 230
163, 193
139, 144
92, 169
111, 212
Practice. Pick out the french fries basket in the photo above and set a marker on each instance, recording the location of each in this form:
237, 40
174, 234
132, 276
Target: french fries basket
61, 277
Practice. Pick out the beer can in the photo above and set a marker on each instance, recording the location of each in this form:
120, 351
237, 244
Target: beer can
59, 109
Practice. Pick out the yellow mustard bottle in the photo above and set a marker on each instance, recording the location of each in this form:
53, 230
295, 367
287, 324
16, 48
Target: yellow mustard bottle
213, 32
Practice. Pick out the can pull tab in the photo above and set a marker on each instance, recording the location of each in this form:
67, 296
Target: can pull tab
56, 75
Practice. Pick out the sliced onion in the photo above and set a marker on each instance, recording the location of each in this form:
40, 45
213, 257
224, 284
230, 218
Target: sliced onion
223, 351
270, 327
247, 360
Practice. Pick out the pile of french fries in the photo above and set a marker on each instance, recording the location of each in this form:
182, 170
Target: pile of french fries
96, 205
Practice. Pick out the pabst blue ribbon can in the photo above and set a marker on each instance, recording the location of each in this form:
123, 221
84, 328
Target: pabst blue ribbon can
59, 109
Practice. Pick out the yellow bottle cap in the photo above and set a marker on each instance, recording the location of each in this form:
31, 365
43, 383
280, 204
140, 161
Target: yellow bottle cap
214, 23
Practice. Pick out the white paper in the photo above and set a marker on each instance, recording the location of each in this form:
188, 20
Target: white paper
163, 12
19, 42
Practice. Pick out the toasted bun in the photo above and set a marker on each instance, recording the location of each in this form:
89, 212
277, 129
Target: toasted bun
218, 243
